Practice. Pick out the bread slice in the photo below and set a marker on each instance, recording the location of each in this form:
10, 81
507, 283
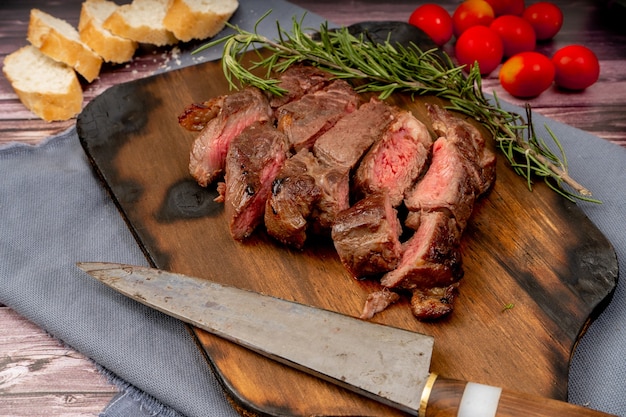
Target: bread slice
110, 47
48, 88
141, 21
198, 19
61, 41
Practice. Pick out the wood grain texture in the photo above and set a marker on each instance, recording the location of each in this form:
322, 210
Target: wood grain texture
534, 250
41, 377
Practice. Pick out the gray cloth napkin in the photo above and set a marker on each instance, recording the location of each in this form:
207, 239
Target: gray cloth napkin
55, 212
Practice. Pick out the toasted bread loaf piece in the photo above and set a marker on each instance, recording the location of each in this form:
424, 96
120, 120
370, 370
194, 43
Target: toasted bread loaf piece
110, 47
198, 19
141, 21
60, 41
48, 88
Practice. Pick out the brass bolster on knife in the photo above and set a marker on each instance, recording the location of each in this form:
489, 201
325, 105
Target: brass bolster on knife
426, 394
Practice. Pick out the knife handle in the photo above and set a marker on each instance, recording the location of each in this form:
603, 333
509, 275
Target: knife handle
450, 398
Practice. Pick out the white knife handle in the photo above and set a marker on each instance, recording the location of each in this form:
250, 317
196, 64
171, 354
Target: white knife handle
450, 398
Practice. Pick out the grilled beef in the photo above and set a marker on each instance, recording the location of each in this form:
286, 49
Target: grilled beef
431, 257
299, 80
343, 146
447, 185
376, 151
306, 196
395, 161
433, 303
290, 204
304, 120
254, 158
366, 236
196, 115
238, 111
479, 159
377, 302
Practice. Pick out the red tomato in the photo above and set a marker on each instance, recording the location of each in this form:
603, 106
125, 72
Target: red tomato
434, 20
481, 45
527, 74
576, 66
514, 7
471, 13
516, 33
546, 18
504, 7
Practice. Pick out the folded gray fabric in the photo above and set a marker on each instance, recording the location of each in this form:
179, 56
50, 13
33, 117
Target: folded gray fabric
55, 212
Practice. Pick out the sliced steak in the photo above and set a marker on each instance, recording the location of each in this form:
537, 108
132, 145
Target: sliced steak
394, 163
447, 185
290, 204
196, 115
433, 303
299, 80
377, 302
304, 120
239, 110
366, 236
334, 186
345, 144
431, 257
254, 159
480, 160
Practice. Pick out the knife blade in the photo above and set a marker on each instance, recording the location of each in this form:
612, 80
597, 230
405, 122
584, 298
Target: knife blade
387, 364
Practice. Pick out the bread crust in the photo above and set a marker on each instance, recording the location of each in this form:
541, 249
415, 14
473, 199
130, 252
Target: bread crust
119, 23
48, 104
187, 24
60, 47
110, 47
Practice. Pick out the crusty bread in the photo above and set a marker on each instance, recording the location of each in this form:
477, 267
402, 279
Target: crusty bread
110, 47
60, 41
198, 19
141, 21
48, 88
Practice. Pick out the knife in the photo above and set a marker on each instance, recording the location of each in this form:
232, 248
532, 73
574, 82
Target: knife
387, 364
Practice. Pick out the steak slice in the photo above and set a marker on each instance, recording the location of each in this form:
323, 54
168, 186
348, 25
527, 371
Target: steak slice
304, 120
480, 160
293, 195
394, 163
196, 115
377, 302
239, 110
344, 145
254, 159
431, 257
366, 236
334, 186
433, 303
299, 80
447, 185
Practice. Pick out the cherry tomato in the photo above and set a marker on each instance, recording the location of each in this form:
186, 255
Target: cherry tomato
527, 74
434, 20
576, 66
481, 45
516, 33
514, 7
471, 13
505, 7
546, 18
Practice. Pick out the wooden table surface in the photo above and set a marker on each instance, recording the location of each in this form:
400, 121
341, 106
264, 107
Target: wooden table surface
40, 376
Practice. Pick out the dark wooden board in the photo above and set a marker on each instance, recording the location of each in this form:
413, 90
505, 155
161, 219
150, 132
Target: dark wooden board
533, 250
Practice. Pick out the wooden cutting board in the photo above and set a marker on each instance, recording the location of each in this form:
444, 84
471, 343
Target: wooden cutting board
537, 270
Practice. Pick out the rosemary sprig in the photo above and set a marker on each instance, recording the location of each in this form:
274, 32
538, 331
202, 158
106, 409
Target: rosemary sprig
385, 69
